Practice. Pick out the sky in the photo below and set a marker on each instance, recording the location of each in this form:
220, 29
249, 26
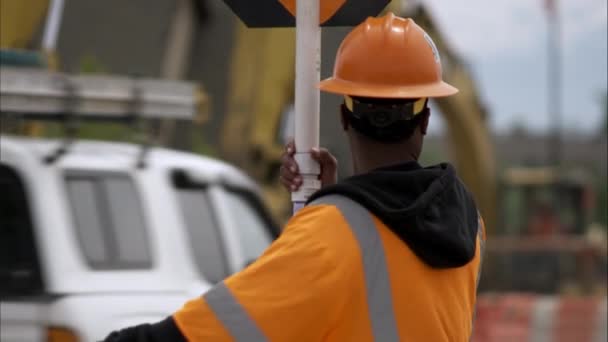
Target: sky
505, 44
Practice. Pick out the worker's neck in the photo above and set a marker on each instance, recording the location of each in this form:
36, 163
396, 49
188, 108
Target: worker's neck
369, 155
367, 161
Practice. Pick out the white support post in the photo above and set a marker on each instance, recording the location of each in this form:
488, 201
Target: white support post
52, 25
308, 64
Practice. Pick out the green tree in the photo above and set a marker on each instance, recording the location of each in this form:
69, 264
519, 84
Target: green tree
89, 64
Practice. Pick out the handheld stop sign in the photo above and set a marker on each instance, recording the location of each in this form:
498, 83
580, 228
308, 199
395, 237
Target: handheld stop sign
307, 16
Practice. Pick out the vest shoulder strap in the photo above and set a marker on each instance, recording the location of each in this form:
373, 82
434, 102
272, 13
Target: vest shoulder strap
375, 269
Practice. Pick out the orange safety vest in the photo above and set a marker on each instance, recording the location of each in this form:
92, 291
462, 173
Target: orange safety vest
337, 273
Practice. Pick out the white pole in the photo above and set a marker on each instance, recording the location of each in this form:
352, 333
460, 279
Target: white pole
554, 83
308, 64
52, 25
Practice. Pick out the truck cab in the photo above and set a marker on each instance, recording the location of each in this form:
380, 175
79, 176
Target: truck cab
94, 242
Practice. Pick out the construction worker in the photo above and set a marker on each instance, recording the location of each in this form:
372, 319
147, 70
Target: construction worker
391, 254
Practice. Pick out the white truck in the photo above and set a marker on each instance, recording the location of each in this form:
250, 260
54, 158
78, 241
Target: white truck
91, 240
92, 243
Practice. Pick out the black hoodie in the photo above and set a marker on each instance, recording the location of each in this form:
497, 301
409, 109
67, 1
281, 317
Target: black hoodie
428, 208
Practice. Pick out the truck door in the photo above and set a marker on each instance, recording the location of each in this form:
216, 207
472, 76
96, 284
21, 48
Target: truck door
21, 283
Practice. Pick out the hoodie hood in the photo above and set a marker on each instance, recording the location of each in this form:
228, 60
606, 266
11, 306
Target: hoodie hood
429, 209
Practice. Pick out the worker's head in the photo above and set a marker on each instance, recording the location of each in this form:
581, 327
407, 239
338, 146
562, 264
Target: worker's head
387, 68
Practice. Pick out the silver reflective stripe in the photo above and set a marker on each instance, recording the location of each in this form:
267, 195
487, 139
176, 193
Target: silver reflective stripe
232, 315
377, 281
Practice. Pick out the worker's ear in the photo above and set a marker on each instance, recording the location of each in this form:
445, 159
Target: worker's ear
343, 117
424, 124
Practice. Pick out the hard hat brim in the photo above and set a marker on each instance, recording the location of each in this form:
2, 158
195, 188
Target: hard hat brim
338, 86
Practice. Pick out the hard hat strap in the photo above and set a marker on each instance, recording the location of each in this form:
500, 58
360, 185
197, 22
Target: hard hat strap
384, 112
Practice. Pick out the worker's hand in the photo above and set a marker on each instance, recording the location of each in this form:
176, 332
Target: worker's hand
290, 174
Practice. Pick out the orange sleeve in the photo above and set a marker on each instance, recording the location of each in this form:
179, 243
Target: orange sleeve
197, 322
294, 292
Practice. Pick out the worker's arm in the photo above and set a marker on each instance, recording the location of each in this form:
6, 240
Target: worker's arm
165, 330
294, 292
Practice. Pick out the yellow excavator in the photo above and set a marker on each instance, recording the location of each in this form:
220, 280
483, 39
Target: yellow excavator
261, 91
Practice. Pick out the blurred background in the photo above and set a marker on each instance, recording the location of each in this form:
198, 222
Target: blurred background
528, 131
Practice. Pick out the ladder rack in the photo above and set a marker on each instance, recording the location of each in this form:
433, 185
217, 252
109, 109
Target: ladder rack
45, 95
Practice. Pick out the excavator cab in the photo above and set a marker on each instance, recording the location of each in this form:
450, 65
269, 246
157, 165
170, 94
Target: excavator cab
541, 202
540, 244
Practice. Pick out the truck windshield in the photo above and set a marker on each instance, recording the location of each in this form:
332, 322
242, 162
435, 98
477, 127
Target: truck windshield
205, 230
20, 273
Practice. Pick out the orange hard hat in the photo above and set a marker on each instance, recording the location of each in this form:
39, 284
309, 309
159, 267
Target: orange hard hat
388, 57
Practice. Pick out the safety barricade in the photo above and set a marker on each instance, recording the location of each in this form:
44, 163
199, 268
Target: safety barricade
524, 317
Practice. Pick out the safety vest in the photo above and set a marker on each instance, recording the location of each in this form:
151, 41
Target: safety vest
337, 273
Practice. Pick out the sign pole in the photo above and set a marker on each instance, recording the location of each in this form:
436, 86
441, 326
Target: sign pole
308, 64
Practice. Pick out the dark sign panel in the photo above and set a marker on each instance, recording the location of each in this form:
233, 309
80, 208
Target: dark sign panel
281, 13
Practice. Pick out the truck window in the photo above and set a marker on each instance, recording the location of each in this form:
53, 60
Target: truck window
203, 231
253, 226
20, 273
109, 220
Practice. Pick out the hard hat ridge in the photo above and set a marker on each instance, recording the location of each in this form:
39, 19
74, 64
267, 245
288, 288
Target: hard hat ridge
388, 57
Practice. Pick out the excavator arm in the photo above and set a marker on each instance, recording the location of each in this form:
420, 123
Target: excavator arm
19, 21
261, 88
465, 116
